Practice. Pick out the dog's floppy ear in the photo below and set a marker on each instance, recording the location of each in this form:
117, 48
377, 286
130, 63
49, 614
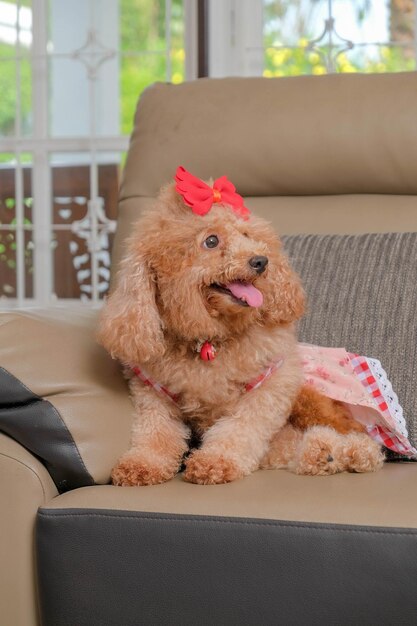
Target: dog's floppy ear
285, 297
130, 327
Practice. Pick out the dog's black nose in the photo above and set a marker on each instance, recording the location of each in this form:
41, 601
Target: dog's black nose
258, 263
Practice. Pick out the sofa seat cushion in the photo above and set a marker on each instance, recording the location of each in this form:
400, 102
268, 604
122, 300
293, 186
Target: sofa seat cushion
269, 549
375, 499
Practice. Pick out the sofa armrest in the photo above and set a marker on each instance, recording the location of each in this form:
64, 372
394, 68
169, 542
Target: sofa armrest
25, 485
61, 396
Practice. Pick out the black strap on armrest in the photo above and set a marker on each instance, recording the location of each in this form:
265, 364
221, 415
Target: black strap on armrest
38, 426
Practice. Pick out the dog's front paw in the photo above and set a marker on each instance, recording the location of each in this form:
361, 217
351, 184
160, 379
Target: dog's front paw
207, 468
133, 470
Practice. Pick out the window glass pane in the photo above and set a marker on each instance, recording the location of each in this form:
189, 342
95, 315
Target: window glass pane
295, 61
146, 55
7, 218
7, 188
15, 26
16, 245
25, 82
70, 175
8, 280
84, 68
69, 101
137, 72
83, 222
304, 37
16, 99
291, 23
377, 59
102, 56
109, 173
64, 37
15, 73
373, 27
8, 89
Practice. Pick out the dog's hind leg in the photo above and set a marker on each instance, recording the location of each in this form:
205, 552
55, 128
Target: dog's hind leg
320, 451
283, 448
312, 408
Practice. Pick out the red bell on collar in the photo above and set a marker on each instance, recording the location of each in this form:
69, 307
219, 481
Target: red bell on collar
208, 351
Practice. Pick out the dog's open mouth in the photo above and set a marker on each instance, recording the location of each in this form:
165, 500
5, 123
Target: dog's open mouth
241, 292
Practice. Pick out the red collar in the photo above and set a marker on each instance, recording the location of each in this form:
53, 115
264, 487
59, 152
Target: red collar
250, 386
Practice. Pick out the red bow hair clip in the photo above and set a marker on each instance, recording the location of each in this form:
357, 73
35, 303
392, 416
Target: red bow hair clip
201, 197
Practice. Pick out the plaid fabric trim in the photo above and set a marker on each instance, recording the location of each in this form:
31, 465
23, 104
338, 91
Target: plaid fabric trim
363, 372
390, 440
380, 432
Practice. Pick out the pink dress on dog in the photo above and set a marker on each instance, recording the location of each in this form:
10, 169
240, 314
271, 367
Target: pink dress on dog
362, 385
359, 382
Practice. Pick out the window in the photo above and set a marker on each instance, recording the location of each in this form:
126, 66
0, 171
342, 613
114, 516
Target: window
70, 77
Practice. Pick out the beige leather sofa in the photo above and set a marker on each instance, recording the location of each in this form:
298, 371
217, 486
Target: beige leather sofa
327, 160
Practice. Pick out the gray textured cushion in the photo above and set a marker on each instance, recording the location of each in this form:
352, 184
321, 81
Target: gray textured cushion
362, 295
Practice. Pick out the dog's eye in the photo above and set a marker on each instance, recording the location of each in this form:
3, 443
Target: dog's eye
211, 242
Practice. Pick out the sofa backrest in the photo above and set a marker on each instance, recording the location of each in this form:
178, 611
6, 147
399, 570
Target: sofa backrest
328, 154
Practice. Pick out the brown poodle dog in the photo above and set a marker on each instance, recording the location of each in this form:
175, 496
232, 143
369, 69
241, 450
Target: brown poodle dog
221, 284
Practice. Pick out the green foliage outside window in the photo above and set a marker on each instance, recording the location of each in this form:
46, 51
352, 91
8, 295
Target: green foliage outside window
297, 61
142, 32
8, 91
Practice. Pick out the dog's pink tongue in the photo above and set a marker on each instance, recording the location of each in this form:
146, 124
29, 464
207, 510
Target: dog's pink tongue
246, 292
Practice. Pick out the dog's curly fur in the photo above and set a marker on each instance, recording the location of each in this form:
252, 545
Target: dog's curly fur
164, 305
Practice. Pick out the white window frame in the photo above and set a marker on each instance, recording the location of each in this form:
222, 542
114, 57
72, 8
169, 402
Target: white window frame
235, 38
